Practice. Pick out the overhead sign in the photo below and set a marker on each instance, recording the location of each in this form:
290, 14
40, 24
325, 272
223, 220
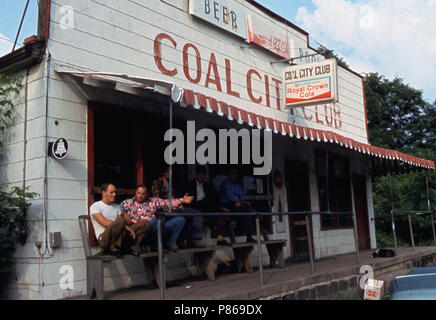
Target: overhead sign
58, 149
227, 15
311, 84
268, 36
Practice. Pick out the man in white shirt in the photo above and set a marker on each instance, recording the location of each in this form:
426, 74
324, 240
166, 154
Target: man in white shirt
114, 230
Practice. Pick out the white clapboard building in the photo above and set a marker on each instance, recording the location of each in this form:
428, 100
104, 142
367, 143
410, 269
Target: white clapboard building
101, 75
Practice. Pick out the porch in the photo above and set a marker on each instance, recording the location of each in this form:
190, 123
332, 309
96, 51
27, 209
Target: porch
334, 278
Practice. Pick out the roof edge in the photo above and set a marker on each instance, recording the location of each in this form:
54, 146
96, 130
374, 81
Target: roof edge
277, 16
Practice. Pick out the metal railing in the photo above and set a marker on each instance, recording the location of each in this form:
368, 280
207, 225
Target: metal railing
257, 215
409, 216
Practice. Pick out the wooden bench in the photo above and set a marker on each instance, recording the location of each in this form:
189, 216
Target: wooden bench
203, 258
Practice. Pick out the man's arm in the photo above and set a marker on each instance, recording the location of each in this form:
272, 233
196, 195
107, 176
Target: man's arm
126, 218
100, 218
130, 230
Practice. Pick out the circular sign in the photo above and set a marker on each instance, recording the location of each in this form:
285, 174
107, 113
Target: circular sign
59, 148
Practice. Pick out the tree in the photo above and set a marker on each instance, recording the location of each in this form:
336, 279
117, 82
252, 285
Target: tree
328, 54
399, 118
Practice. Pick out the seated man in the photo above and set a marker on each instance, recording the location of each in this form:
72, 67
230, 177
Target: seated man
161, 186
193, 230
142, 208
205, 200
232, 198
114, 231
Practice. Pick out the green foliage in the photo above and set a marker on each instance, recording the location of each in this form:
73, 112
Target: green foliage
13, 209
400, 119
398, 116
8, 87
328, 54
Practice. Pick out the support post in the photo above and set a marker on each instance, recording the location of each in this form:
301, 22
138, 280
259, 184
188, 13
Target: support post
429, 206
309, 243
411, 231
392, 211
170, 191
356, 236
161, 263
259, 250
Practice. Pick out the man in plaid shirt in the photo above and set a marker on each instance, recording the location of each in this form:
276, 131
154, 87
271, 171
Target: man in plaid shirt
141, 207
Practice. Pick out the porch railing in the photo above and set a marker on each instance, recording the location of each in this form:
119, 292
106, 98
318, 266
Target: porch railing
409, 216
257, 215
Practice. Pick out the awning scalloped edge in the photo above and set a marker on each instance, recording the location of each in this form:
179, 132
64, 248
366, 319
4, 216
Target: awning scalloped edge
210, 104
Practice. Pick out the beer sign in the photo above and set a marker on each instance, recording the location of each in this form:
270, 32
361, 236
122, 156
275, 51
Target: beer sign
311, 84
225, 14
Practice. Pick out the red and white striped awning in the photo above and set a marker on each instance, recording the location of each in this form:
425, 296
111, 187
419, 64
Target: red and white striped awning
210, 104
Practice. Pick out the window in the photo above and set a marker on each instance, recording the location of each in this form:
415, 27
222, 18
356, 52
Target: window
338, 193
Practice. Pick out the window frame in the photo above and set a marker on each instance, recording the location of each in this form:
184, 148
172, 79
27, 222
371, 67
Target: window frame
333, 192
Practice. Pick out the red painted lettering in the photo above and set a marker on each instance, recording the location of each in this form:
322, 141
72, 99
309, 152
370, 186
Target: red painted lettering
250, 87
337, 113
329, 122
213, 67
318, 120
186, 63
268, 104
158, 53
278, 98
305, 114
229, 79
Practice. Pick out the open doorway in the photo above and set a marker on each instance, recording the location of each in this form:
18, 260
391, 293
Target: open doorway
361, 208
298, 187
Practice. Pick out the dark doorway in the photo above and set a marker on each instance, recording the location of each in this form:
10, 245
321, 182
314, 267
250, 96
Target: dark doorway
298, 187
361, 207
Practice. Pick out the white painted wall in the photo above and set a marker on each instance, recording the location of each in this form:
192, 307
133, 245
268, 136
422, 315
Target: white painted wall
119, 37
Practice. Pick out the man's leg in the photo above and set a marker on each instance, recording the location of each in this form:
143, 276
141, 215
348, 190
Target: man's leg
140, 229
248, 220
172, 229
150, 237
113, 235
196, 225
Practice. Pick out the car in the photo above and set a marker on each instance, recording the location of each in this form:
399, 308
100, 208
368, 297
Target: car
418, 284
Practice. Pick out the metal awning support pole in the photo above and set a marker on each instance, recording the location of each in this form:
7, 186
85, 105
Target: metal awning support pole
161, 263
392, 211
327, 181
429, 206
170, 191
259, 250
309, 243
159, 222
411, 231
356, 236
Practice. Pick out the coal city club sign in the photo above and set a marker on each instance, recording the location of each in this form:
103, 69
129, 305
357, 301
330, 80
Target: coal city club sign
311, 84
226, 15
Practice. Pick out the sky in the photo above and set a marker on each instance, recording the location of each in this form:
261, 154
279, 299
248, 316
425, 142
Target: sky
396, 38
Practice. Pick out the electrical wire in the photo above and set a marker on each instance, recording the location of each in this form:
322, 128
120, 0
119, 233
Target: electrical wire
21, 24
